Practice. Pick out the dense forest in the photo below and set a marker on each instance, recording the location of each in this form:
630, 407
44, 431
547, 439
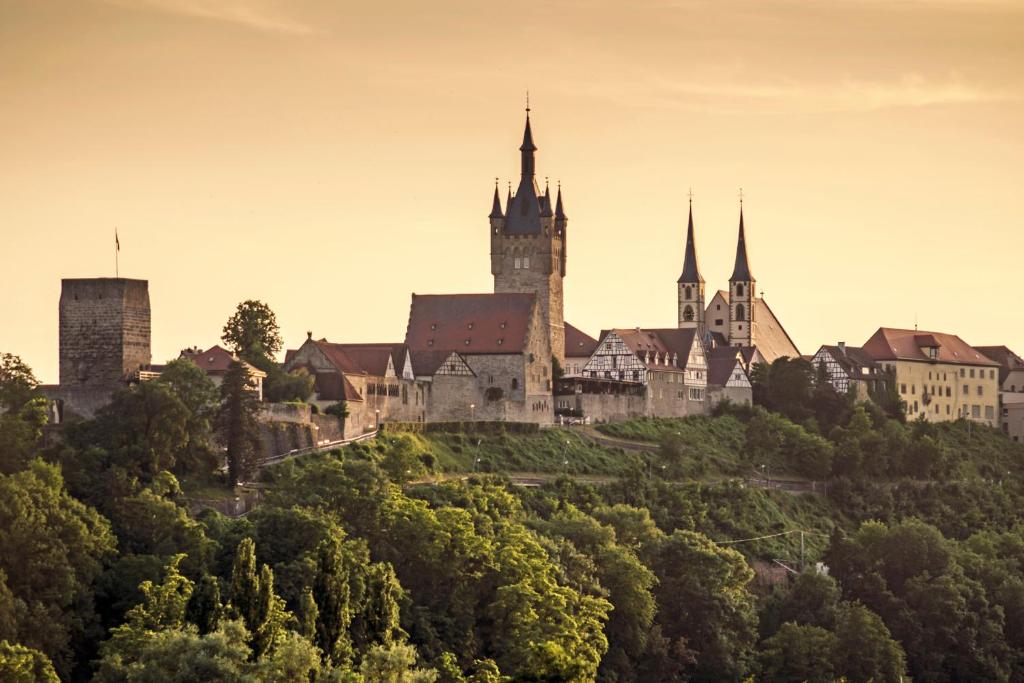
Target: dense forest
422, 557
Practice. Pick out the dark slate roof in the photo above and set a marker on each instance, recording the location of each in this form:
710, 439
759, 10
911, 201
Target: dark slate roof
890, 343
741, 271
851, 358
559, 210
578, 343
691, 271
496, 205
469, 323
524, 210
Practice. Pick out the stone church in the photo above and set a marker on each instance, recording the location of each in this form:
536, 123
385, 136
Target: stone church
736, 317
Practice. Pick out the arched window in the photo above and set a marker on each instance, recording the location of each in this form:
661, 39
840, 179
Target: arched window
740, 312
689, 292
739, 290
688, 312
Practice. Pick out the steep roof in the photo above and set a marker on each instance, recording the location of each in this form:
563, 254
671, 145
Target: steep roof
659, 341
470, 323
741, 271
334, 386
769, 336
1007, 359
578, 343
722, 361
522, 216
496, 204
851, 358
691, 270
216, 360
889, 343
427, 362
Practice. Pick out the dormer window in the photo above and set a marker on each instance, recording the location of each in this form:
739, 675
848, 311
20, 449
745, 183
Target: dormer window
469, 326
433, 326
467, 341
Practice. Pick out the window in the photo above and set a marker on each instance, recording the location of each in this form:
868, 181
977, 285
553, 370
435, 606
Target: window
972, 372
740, 312
515, 382
719, 321
991, 374
961, 372
990, 413
739, 289
688, 292
980, 391
526, 262
967, 390
949, 392
518, 263
913, 388
975, 411
688, 313
903, 388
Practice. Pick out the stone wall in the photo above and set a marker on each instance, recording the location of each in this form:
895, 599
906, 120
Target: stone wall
737, 395
104, 338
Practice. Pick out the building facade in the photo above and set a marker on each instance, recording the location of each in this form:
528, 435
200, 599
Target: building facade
1011, 389
938, 376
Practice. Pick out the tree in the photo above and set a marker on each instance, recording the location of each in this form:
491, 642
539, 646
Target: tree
21, 433
237, 423
865, 651
332, 597
199, 395
52, 549
204, 607
20, 664
394, 664
18, 385
281, 386
252, 331
799, 654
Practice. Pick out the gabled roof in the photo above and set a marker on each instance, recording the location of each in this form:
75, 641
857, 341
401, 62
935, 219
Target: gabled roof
1007, 359
850, 358
334, 386
578, 343
426, 363
216, 360
658, 341
889, 343
470, 323
722, 361
360, 359
769, 336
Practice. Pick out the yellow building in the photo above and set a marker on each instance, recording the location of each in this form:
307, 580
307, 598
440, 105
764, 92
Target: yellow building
939, 376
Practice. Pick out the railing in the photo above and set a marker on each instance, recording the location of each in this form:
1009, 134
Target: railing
324, 446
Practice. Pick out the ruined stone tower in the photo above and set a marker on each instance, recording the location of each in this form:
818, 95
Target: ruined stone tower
528, 244
104, 338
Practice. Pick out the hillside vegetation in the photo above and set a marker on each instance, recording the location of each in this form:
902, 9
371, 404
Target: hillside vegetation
415, 557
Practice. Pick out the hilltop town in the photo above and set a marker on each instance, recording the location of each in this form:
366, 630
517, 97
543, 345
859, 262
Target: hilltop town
512, 355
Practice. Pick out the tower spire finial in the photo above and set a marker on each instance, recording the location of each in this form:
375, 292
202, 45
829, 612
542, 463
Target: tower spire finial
527, 104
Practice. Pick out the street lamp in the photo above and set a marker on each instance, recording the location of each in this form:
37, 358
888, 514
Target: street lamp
472, 411
476, 463
378, 419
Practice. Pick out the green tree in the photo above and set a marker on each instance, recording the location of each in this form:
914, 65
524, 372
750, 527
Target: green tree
703, 600
238, 425
800, 654
865, 651
331, 593
394, 664
52, 549
204, 607
20, 664
18, 385
252, 331
281, 386
21, 433
199, 395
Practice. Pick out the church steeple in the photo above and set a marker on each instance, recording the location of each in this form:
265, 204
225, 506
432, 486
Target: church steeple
691, 270
690, 286
525, 212
527, 149
741, 271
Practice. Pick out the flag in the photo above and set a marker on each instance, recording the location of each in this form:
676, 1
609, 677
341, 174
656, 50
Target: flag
117, 242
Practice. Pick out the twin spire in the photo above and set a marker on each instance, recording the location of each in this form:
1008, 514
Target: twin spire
691, 270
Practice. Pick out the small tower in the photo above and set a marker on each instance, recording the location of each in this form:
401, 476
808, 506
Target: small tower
742, 294
691, 284
528, 244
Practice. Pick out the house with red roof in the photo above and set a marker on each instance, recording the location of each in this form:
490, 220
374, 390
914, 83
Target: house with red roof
939, 376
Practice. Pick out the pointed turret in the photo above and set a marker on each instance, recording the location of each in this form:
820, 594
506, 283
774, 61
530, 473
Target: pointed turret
559, 210
741, 271
524, 212
691, 270
527, 149
496, 204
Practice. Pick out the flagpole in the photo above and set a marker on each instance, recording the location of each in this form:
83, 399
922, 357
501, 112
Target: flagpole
117, 255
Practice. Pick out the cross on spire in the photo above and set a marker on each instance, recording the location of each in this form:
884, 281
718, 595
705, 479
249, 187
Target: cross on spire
527, 102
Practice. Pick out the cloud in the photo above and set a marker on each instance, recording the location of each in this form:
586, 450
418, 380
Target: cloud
261, 15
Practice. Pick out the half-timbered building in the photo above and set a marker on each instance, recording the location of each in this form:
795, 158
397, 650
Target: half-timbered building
727, 377
849, 366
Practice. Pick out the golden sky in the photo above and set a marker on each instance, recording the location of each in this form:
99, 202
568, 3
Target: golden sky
331, 157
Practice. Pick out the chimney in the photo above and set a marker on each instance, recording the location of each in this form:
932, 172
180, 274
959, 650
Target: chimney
842, 347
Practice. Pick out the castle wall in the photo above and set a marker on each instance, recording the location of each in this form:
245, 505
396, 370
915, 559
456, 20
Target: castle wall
736, 395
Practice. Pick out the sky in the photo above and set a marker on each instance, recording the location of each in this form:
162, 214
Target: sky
331, 158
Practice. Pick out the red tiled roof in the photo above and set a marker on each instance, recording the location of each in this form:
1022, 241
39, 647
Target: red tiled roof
578, 343
427, 362
890, 343
721, 363
1007, 359
333, 386
469, 323
216, 360
662, 341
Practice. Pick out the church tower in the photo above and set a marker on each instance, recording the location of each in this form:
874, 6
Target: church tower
691, 285
528, 241
742, 294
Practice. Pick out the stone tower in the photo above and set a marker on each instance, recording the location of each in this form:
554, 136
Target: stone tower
528, 241
691, 285
742, 294
104, 338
